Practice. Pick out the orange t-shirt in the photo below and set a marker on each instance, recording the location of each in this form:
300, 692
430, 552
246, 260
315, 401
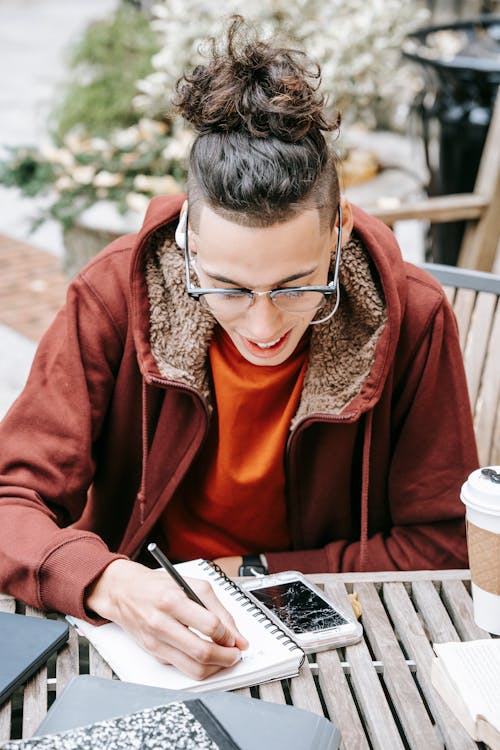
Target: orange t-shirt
233, 499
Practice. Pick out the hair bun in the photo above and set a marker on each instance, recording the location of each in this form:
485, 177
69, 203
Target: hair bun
251, 86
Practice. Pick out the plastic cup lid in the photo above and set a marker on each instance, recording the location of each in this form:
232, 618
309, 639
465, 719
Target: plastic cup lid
481, 492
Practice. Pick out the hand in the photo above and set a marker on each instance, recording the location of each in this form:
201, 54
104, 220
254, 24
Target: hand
230, 565
157, 613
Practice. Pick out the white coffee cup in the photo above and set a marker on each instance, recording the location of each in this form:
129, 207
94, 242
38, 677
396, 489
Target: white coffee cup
481, 497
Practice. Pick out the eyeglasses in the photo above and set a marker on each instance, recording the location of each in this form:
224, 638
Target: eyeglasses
294, 299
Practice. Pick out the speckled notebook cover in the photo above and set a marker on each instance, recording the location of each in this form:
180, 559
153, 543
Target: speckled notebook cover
177, 726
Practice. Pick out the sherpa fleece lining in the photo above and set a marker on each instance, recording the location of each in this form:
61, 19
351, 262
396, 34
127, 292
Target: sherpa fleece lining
342, 350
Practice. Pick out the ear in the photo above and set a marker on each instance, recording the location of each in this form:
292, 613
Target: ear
347, 219
180, 232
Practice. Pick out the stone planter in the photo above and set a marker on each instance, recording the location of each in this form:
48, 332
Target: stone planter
94, 229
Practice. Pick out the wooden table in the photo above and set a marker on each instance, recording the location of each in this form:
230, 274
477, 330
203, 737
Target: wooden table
377, 691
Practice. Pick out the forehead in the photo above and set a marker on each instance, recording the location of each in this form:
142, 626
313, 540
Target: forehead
254, 254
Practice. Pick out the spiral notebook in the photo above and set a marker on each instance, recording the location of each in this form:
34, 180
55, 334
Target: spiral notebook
272, 655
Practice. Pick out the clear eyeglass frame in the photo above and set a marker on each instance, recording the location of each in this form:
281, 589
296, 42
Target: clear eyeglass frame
284, 298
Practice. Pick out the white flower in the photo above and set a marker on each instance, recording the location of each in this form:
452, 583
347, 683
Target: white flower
64, 183
57, 155
137, 202
178, 147
127, 138
356, 42
75, 142
83, 175
151, 128
104, 179
99, 144
158, 185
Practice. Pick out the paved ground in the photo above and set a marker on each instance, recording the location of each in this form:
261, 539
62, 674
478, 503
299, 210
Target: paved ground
34, 35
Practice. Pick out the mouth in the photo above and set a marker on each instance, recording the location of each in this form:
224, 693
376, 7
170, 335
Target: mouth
269, 345
266, 348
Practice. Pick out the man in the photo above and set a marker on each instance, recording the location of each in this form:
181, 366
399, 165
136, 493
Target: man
276, 382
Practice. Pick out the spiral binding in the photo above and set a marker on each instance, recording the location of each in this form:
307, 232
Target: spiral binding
215, 570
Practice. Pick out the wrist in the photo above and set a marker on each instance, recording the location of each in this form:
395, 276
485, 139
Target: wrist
103, 597
253, 565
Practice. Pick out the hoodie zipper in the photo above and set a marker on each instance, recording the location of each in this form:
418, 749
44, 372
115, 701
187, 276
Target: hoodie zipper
365, 470
290, 449
152, 379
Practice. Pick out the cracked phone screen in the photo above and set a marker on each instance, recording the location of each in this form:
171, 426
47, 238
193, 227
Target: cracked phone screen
298, 607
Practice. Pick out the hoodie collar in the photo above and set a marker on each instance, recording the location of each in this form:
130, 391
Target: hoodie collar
349, 356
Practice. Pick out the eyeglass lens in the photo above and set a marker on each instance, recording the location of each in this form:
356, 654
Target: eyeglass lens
288, 301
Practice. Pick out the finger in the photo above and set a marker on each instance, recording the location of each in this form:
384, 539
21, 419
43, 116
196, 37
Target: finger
187, 665
223, 631
215, 622
166, 633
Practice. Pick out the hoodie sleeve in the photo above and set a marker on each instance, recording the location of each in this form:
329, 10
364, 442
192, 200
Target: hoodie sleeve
433, 452
47, 444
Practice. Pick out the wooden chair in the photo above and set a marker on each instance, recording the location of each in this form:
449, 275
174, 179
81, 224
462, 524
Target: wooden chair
480, 247
474, 297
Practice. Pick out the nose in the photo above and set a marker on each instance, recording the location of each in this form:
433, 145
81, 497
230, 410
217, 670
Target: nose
263, 318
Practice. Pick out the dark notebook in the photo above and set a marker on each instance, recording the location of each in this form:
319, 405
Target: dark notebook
176, 726
252, 724
25, 645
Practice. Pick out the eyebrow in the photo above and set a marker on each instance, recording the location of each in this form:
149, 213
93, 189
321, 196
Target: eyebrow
276, 285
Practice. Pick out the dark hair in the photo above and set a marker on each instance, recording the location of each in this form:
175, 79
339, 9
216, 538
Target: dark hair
260, 155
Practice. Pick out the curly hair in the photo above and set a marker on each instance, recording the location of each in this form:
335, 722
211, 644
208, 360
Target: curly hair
260, 155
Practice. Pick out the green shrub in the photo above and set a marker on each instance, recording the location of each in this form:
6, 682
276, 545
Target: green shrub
106, 62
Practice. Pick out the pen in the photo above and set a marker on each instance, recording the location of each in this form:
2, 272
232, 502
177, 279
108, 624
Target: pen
167, 565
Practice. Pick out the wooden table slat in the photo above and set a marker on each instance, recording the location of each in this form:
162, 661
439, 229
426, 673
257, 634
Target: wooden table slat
418, 729
459, 604
272, 692
416, 643
370, 689
386, 576
5, 721
304, 693
67, 664
97, 665
433, 611
377, 715
35, 693
7, 603
339, 701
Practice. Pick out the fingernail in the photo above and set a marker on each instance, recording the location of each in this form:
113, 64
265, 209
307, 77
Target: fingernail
238, 658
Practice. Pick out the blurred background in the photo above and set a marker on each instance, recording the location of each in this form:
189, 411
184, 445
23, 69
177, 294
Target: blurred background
87, 138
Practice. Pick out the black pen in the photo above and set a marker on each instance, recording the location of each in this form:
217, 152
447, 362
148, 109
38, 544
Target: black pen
167, 565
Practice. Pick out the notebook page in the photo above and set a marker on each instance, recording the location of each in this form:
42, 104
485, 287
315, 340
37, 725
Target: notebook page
266, 658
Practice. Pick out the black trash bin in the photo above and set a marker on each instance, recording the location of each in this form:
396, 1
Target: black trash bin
461, 63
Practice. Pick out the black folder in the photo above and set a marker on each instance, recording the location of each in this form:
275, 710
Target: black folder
25, 645
253, 724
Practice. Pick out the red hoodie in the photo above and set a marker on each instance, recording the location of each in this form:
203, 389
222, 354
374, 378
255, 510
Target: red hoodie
118, 403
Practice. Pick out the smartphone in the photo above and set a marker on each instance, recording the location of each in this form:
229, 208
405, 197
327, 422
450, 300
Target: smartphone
303, 611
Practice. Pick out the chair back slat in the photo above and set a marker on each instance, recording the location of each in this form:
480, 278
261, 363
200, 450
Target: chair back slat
487, 411
463, 307
475, 298
476, 342
450, 292
495, 446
